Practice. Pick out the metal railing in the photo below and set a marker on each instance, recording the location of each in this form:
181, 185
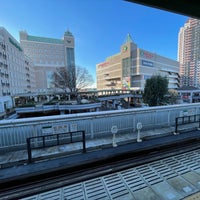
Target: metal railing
51, 140
44, 108
185, 120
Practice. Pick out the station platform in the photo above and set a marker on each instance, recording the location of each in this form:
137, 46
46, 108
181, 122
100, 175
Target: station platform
16, 157
98, 150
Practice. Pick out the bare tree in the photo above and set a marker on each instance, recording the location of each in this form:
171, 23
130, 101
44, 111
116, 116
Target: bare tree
73, 79
60, 79
83, 78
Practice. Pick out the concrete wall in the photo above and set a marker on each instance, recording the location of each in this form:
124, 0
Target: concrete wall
13, 133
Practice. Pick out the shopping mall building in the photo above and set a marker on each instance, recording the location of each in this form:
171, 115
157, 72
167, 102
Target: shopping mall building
132, 66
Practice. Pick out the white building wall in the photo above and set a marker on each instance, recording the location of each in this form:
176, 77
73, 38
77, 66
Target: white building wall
13, 66
5, 103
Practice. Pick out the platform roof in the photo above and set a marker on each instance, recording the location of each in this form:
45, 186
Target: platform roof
189, 8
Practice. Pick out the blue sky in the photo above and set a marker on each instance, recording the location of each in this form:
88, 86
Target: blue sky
99, 26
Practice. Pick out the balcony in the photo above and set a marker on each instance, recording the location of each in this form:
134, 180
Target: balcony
111, 84
3, 46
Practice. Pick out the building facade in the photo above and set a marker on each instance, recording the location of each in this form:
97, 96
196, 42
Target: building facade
49, 54
189, 53
16, 72
132, 66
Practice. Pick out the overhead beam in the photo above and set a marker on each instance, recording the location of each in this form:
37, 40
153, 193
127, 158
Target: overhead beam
190, 8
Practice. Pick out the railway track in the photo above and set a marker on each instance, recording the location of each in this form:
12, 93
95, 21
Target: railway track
49, 181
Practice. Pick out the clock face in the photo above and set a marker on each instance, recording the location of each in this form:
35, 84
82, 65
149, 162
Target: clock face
124, 49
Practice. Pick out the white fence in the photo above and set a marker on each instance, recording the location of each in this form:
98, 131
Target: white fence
43, 108
13, 133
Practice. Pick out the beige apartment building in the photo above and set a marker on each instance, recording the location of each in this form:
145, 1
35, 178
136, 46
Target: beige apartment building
189, 53
16, 71
132, 66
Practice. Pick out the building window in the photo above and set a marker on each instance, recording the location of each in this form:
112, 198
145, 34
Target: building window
126, 65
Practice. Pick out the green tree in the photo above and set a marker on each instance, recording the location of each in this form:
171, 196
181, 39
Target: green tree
155, 90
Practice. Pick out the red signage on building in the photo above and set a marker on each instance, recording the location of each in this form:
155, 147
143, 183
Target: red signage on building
104, 64
146, 54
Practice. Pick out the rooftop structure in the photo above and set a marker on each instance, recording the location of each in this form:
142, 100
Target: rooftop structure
128, 38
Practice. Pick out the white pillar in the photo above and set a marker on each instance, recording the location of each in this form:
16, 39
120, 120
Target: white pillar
139, 127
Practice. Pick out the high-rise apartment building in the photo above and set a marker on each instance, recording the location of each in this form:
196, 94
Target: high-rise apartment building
132, 66
49, 54
16, 72
189, 53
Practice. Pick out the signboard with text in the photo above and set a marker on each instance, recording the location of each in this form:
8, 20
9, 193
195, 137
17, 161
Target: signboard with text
147, 63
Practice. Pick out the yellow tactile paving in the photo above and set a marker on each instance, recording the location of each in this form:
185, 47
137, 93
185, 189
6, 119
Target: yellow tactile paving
195, 196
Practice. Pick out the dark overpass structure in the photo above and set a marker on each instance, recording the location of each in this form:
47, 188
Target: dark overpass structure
189, 8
